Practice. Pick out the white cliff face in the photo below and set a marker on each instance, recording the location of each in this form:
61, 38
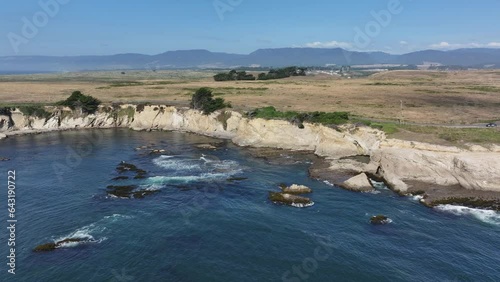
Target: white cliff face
400, 161
397, 161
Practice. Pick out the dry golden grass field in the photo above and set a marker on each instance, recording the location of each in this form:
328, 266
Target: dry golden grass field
432, 97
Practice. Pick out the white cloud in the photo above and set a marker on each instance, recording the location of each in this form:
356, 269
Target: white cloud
449, 46
330, 44
403, 42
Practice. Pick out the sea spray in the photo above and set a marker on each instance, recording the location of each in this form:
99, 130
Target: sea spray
487, 216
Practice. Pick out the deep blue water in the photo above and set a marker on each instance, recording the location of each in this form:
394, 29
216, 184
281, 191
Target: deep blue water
201, 227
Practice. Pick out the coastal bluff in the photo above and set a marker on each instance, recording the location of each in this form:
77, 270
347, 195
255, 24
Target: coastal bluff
402, 165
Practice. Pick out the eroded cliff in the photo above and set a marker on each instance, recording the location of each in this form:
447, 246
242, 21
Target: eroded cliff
400, 163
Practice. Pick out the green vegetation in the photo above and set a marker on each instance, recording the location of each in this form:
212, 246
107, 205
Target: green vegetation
491, 89
223, 118
385, 84
282, 73
87, 104
5, 111
35, 111
203, 100
450, 134
272, 74
140, 107
334, 118
458, 135
119, 84
388, 128
127, 112
233, 75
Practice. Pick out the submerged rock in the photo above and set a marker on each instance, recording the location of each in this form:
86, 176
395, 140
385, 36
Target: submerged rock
290, 200
120, 178
296, 189
157, 152
124, 167
129, 192
360, 183
380, 220
232, 179
206, 147
53, 246
121, 191
45, 247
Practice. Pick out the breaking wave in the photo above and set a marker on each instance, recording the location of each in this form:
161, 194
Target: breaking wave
487, 216
186, 170
92, 233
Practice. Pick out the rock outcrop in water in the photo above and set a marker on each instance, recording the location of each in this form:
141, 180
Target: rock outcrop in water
380, 220
129, 192
359, 183
400, 164
53, 246
290, 200
296, 189
124, 167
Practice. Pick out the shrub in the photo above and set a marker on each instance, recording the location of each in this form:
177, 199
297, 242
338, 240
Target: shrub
35, 111
203, 100
88, 104
141, 107
334, 118
5, 111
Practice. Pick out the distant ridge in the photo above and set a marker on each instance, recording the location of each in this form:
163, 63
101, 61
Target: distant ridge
182, 59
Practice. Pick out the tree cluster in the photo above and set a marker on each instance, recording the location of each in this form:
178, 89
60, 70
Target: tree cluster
282, 73
234, 75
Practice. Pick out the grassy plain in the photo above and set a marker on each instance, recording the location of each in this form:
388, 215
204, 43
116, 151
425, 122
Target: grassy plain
422, 97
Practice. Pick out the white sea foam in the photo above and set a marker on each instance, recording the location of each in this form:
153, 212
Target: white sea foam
186, 170
328, 183
162, 180
379, 185
172, 163
388, 221
87, 233
487, 216
302, 205
417, 198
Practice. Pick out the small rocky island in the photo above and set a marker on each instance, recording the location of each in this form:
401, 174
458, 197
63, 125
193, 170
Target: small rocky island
53, 246
290, 196
380, 220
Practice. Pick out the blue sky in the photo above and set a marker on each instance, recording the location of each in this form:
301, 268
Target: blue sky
100, 27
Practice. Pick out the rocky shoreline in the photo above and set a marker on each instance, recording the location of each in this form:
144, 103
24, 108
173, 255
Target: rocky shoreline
347, 156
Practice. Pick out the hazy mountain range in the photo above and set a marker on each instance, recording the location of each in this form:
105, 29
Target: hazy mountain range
479, 58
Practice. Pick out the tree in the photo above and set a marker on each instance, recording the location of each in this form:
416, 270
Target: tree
203, 100
78, 100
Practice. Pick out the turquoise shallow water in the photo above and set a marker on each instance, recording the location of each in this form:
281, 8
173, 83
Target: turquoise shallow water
201, 227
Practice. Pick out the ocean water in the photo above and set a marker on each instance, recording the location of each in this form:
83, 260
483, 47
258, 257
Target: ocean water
202, 227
